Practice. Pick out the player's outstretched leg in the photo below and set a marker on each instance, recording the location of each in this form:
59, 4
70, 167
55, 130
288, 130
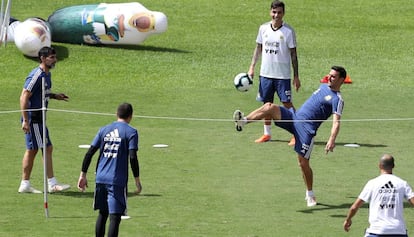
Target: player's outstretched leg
237, 117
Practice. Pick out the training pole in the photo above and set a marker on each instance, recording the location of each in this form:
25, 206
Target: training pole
45, 184
5, 19
2, 15
1, 12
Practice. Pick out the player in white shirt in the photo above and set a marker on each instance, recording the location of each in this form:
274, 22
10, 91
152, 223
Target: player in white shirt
276, 45
385, 194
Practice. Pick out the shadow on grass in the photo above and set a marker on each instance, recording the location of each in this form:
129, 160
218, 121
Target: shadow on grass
78, 194
61, 52
344, 143
142, 48
72, 217
345, 206
325, 207
321, 143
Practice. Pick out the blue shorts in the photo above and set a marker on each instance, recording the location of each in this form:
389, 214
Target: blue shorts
34, 139
304, 138
110, 198
269, 86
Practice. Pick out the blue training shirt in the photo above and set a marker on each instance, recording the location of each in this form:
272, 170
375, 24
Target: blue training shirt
33, 84
115, 140
320, 106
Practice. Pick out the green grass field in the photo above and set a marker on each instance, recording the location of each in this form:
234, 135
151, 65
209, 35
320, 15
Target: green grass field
212, 180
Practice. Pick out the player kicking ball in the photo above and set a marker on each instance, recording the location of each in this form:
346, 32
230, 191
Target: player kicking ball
325, 102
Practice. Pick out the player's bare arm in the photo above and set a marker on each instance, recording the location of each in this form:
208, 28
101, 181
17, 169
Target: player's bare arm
336, 122
351, 213
24, 100
295, 66
255, 58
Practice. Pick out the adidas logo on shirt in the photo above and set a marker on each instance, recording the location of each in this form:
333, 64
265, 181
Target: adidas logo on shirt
112, 136
388, 188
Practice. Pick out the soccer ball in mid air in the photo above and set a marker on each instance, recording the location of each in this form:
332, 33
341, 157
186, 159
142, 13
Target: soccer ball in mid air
243, 82
31, 35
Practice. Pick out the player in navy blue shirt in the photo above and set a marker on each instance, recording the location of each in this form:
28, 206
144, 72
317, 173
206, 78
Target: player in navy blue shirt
31, 100
118, 145
326, 101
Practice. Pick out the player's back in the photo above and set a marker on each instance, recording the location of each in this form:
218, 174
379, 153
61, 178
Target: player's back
115, 141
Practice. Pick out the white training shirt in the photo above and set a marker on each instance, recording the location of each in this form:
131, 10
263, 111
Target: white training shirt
276, 45
386, 194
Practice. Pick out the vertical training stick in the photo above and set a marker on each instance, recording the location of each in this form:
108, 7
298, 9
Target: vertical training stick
45, 184
5, 19
1, 21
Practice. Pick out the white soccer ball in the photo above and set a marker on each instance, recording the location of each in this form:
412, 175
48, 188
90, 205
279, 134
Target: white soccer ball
243, 82
31, 35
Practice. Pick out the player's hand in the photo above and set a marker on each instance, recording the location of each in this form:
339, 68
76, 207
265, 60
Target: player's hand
329, 147
347, 225
251, 76
138, 185
82, 183
251, 72
296, 83
61, 96
26, 127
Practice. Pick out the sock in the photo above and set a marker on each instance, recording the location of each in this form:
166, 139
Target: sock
267, 129
114, 221
52, 181
25, 183
309, 193
100, 223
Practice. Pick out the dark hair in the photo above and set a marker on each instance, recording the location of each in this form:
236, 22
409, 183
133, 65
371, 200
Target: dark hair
387, 162
276, 4
341, 70
124, 111
46, 52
